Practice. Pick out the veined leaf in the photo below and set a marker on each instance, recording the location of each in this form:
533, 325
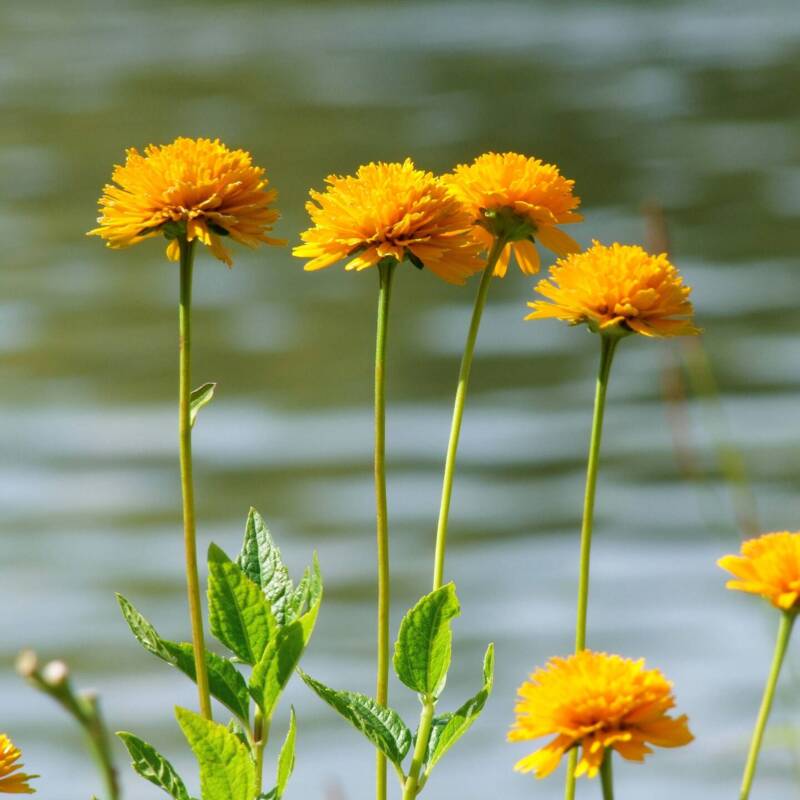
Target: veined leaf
239, 614
199, 397
308, 592
423, 648
382, 726
225, 682
286, 757
227, 771
261, 561
152, 766
272, 673
448, 729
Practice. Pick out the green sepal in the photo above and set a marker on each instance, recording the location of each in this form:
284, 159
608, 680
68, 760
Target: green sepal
198, 398
225, 682
381, 725
239, 615
227, 771
153, 767
272, 673
449, 728
423, 648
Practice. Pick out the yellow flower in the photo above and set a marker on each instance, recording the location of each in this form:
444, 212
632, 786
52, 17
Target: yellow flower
770, 566
11, 781
520, 198
389, 211
596, 701
617, 289
195, 187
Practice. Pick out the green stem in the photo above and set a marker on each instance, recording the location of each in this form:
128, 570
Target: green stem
100, 746
608, 345
458, 410
607, 777
781, 644
413, 785
187, 488
385, 273
260, 737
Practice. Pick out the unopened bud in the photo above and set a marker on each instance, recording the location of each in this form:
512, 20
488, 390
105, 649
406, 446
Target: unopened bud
27, 663
55, 673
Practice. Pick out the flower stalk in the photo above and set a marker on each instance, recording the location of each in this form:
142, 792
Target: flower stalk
458, 409
607, 777
608, 345
386, 270
781, 645
187, 486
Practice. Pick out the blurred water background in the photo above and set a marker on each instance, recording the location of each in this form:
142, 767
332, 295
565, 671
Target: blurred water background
692, 104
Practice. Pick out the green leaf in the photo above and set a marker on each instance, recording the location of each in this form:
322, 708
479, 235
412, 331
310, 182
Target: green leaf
261, 561
382, 726
199, 397
272, 673
422, 650
225, 682
448, 729
239, 614
286, 757
308, 592
227, 771
152, 766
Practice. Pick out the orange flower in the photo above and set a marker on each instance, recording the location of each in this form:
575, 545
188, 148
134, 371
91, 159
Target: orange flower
521, 199
389, 211
598, 702
193, 187
770, 566
617, 289
12, 781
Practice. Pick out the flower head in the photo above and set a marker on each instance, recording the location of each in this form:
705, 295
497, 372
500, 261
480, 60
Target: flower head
521, 199
12, 781
389, 211
596, 701
770, 566
193, 187
617, 289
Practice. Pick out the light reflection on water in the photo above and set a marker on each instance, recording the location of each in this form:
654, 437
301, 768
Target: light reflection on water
685, 102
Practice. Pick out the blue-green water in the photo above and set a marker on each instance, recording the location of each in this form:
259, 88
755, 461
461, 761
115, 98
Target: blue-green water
691, 104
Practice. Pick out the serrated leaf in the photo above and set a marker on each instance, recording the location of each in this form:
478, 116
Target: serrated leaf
239, 614
272, 673
198, 398
308, 592
261, 561
227, 771
152, 766
286, 757
225, 682
381, 725
451, 727
422, 650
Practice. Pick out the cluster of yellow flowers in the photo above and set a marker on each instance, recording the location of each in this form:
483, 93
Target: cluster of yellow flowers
202, 190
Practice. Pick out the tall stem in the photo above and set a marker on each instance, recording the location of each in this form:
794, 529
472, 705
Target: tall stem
607, 777
385, 273
781, 644
608, 345
187, 488
412, 785
458, 410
